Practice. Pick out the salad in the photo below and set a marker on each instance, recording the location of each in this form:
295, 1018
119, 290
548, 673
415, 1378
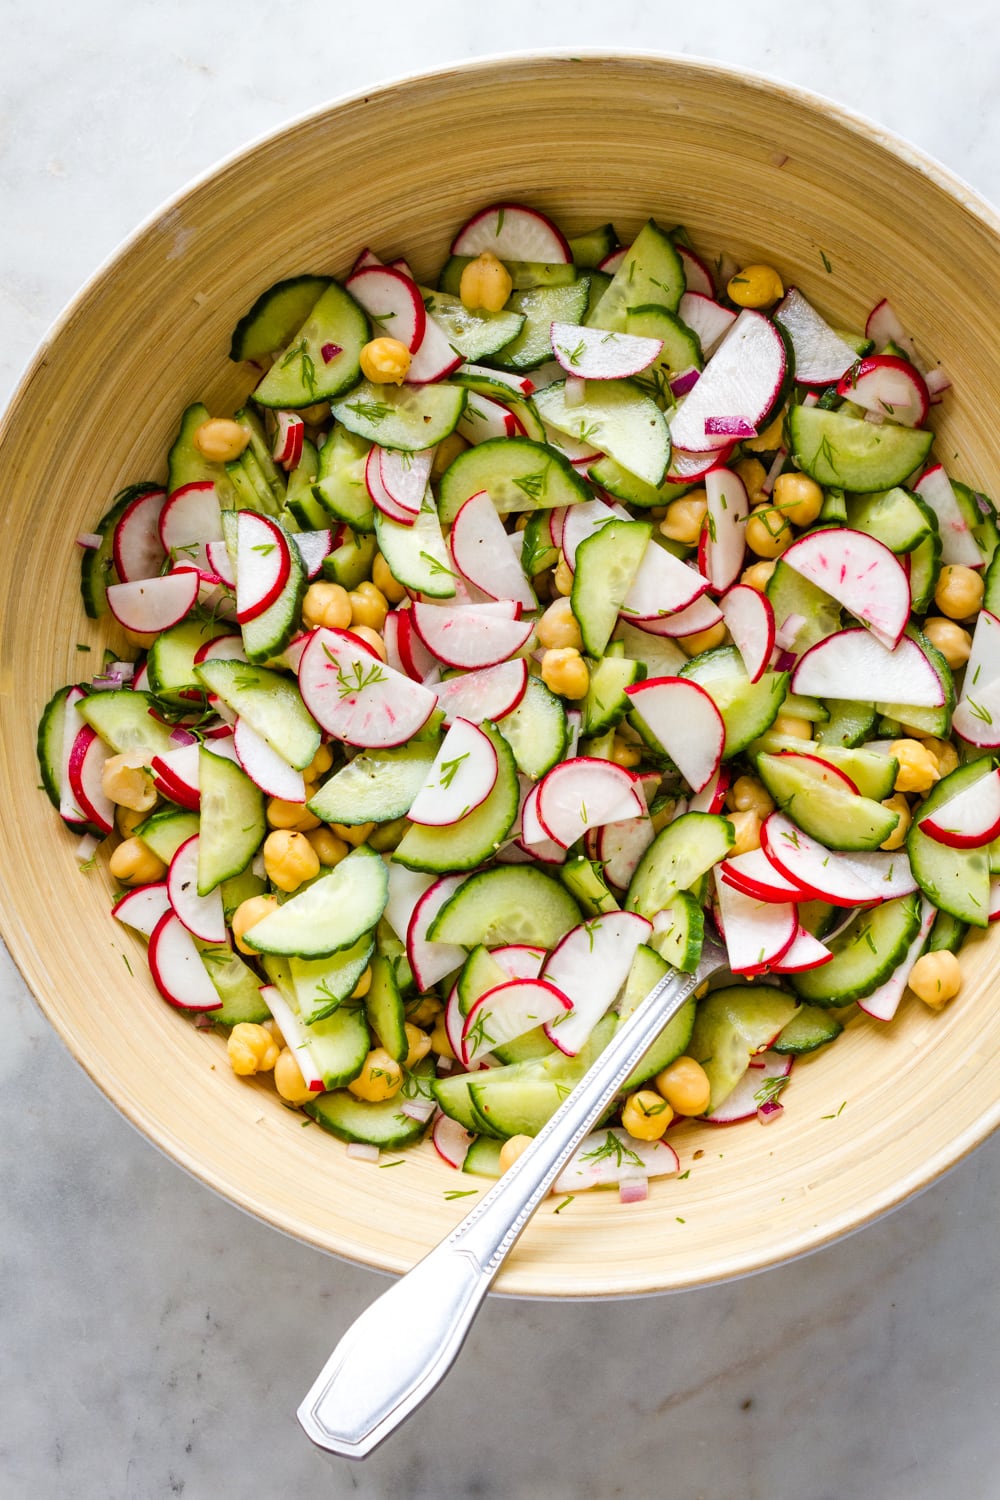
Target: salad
512, 630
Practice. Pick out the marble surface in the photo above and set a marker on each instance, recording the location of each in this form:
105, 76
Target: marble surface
156, 1341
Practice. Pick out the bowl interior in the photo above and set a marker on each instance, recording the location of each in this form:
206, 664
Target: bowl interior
750, 168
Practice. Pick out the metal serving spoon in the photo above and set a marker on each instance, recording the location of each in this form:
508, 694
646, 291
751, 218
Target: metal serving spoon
360, 1397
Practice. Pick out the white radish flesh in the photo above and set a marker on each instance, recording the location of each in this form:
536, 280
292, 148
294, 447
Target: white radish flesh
512, 232
662, 585
265, 767
822, 874
883, 1003
742, 379
152, 605
685, 722
263, 563
724, 536
431, 962
969, 819
143, 907
491, 693
749, 618
589, 966
138, 550
85, 769
393, 301
295, 1035
451, 1140
358, 698
583, 793
706, 317
593, 354
806, 952
757, 933
754, 1089
177, 968
479, 546
405, 476
861, 574
508, 1011
958, 545
468, 638
821, 355
838, 666
889, 387
462, 776
607, 1158
203, 916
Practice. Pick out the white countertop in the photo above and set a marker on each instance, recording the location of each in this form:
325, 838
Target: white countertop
156, 1341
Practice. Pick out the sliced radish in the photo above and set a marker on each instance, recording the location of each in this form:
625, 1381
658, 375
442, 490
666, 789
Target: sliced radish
380, 495
138, 550
685, 722
418, 662
589, 966
840, 665
883, 1003
754, 1089
519, 960
757, 933
191, 517
479, 548
224, 647
723, 539
431, 962
263, 563
177, 968
749, 618
804, 764
151, 605
699, 616
464, 637
453, 1021
405, 889
85, 768
884, 327
177, 775
485, 419
295, 1036
491, 693
534, 838
983, 667
142, 907
581, 521
821, 874
265, 767
580, 455
513, 232
356, 697
435, 357
462, 776
611, 1158
521, 385
977, 717
583, 793
202, 915
613, 262
958, 545
887, 873
697, 276
742, 379
711, 798
508, 1011
593, 354
970, 818
861, 574
391, 300
451, 1140
620, 847
821, 355
220, 562
405, 476
288, 439
806, 952
685, 467
663, 585
889, 387
755, 875
705, 317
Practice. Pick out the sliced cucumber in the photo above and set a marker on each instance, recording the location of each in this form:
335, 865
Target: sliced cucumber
475, 837
873, 774
453, 1098
747, 709
49, 744
384, 1010
520, 1098
340, 481
957, 881
382, 1124
125, 720
322, 357
606, 564
676, 858
661, 656
584, 879
925, 569
591, 246
864, 954
268, 634
810, 1028
418, 555
948, 933
339, 1045
517, 473
186, 464
930, 721
853, 454
507, 904
302, 511
816, 614
377, 786
537, 551
273, 319
240, 888
166, 831
321, 985
259, 449
541, 307
270, 703
237, 985
897, 517
606, 703
839, 819
624, 485
536, 730
525, 275
679, 942
97, 563
651, 272
406, 417
475, 334
170, 663
732, 1024
648, 968
681, 349
850, 723
328, 915
351, 562
483, 1157
233, 824
615, 416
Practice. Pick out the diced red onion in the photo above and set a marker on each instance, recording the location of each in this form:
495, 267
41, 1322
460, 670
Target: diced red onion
784, 635
86, 848
106, 682
444, 1065
685, 381
734, 427
777, 464
179, 736
769, 1111
937, 383
985, 504
330, 351
203, 1021
633, 1189
785, 661
417, 1109
574, 391
89, 540
124, 669
362, 1151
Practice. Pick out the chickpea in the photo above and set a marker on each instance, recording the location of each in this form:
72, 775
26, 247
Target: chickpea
386, 836
685, 518
768, 531
290, 815
685, 1086
288, 1079
758, 575
563, 576
439, 1040
420, 1045
368, 606
330, 850
558, 626
252, 1049
371, 638
128, 819
792, 727
126, 781
385, 361
625, 754
755, 286
353, 833
944, 753
646, 1115
898, 804
386, 582
247, 915
746, 827
289, 859
753, 474
326, 604
954, 643
799, 498
936, 978
221, 440
486, 283
663, 815
134, 863
512, 1149
747, 794
959, 591
380, 1078
446, 452
425, 1011
565, 672
703, 640
768, 441
320, 763
363, 985
918, 767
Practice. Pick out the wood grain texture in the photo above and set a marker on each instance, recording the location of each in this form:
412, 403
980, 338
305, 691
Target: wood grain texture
751, 168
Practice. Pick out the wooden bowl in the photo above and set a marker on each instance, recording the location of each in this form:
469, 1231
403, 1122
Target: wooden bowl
752, 168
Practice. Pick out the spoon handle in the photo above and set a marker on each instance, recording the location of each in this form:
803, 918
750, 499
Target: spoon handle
400, 1348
